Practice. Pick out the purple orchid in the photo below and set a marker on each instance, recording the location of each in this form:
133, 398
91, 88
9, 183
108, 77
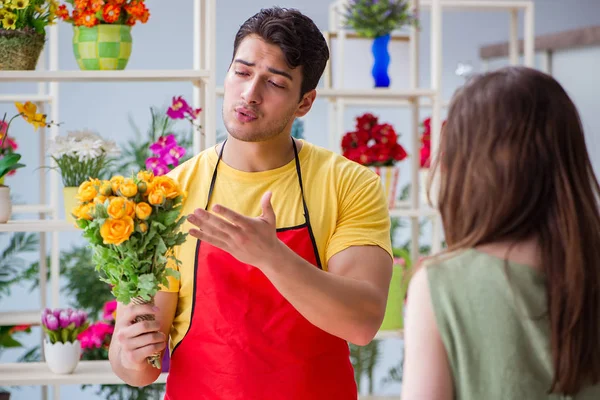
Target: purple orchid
163, 143
157, 166
179, 108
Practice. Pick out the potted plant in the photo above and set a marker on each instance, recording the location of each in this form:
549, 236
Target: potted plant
376, 20
9, 159
78, 156
62, 349
376, 146
23, 32
102, 31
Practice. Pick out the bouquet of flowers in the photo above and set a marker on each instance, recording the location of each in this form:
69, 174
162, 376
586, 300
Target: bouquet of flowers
372, 19
63, 325
81, 154
425, 151
132, 225
373, 144
90, 13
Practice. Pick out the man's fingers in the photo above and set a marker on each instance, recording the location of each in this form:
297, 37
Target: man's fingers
147, 339
131, 312
231, 215
213, 225
205, 237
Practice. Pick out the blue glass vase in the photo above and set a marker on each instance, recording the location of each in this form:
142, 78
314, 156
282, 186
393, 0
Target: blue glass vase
381, 62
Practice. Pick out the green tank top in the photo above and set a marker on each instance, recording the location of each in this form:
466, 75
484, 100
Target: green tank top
493, 325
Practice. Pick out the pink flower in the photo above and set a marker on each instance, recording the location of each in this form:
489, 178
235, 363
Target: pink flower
163, 143
157, 166
171, 156
95, 335
109, 310
179, 108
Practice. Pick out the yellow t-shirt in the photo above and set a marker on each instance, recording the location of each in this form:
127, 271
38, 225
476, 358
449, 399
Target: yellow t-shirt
345, 201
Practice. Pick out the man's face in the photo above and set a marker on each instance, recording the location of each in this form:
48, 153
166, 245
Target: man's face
262, 94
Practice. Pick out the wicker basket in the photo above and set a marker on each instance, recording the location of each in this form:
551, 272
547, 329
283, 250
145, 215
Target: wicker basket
20, 49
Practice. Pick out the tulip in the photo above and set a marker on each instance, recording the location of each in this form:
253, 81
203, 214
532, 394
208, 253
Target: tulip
51, 322
64, 319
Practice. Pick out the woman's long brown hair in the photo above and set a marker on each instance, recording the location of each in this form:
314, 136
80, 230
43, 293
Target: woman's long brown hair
513, 165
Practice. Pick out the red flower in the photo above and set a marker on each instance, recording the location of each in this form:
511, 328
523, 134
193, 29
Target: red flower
372, 143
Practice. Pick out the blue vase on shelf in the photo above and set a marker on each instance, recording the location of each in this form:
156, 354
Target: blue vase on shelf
381, 62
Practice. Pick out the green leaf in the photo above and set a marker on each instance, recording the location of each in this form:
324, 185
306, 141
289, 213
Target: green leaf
64, 335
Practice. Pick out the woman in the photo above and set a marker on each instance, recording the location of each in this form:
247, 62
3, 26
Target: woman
512, 309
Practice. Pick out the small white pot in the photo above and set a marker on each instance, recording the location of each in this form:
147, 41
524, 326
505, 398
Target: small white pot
62, 358
5, 204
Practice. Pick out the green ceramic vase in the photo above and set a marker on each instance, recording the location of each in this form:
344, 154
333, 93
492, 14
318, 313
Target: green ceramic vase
102, 47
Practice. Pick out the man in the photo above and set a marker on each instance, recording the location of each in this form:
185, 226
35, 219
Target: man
289, 255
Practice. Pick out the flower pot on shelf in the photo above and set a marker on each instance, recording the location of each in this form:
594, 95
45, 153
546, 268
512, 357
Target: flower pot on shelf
381, 60
102, 47
62, 358
20, 49
390, 177
5, 204
70, 202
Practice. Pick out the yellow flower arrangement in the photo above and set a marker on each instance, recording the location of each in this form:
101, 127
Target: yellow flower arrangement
132, 225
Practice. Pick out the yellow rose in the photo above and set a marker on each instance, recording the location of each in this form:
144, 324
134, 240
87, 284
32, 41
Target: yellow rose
156, 196
142, 187
130, 208
168, 185
106, 188
117, 208
143, 227
87, 211
128, 188
145, 176
116, 231
143, 210
116, 181
87, 191
100, 199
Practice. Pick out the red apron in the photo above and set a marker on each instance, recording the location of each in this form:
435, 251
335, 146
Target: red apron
246, 341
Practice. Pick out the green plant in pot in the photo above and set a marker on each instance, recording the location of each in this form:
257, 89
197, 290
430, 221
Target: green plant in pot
23, 32
102, 31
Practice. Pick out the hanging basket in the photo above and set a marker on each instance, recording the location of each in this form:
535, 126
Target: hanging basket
102, 47
20, 49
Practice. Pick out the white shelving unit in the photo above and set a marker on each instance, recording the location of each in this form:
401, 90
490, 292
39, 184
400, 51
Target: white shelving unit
202, 77
48, 77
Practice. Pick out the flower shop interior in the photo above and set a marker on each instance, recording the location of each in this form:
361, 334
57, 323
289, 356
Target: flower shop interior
122, 111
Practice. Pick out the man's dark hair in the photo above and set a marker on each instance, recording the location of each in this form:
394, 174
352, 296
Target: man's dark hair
301, 42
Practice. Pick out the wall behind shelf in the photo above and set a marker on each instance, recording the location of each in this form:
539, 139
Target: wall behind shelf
166, 42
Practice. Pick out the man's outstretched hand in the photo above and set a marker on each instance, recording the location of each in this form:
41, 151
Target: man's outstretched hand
250, 240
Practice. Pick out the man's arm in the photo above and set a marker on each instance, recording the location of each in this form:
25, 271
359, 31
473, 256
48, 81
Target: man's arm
349, 301
133, 342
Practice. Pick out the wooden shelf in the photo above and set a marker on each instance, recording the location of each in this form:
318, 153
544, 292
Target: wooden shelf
368, 94
38, 373
105, 76
381, 335
20, 318
478, 5
34, 98
395, 37
424, 211
49, 225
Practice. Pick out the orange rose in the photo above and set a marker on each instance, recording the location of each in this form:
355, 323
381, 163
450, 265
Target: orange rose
106, 188
128, 188
145, 176
116, 181
117, 208
116, 231
156, 196
168, 185
87, 211
100, 199
143, 227
143, 210
130, 208
87, 191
